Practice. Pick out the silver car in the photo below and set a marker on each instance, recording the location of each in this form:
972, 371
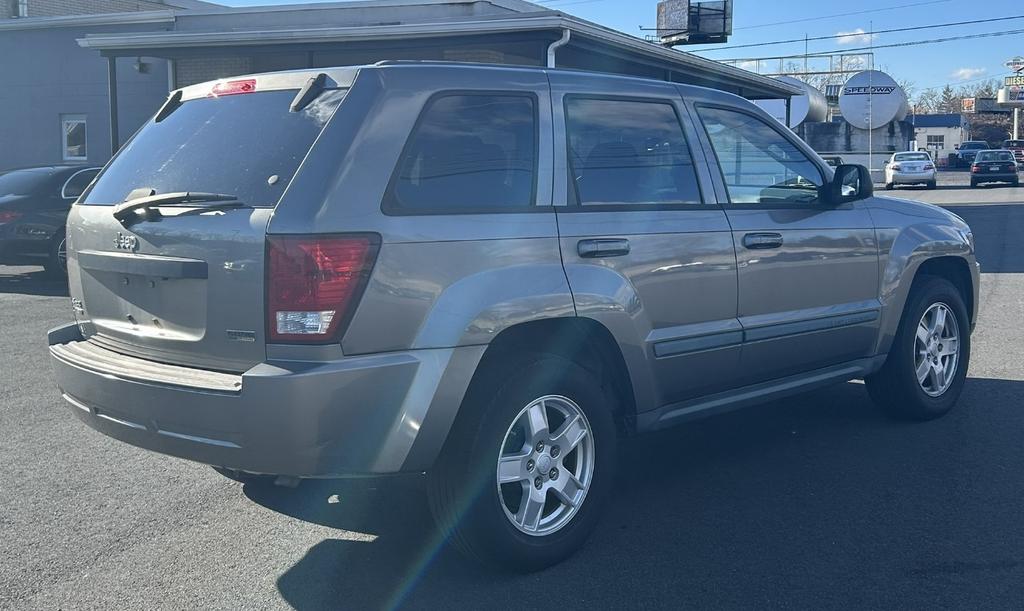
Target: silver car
910, 169
491, 275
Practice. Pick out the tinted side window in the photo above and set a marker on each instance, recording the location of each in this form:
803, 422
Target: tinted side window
469, 153
628, 152
76, 185
759, 165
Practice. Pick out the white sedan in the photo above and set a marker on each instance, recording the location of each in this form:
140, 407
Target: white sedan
910, 169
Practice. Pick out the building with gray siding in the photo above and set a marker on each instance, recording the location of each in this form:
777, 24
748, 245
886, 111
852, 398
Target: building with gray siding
95, 70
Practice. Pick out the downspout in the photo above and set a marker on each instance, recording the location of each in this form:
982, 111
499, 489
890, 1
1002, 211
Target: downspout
553, 47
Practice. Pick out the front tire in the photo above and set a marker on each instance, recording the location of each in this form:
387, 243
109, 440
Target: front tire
925, 371
528, 466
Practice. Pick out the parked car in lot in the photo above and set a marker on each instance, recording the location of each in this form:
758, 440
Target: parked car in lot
34, 204
910, 169
1017, 148
994, 166
488, 274
965, 154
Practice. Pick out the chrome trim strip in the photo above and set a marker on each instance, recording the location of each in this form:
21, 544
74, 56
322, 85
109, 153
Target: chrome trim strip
198, 439
827, 323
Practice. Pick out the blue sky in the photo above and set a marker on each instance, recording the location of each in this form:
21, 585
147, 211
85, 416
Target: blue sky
927, 65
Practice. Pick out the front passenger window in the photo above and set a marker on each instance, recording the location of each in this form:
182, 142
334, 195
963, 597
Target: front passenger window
759, 165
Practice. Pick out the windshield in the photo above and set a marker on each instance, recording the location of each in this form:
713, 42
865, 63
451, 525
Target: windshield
247, 145
913, 157
24, 182
995, 156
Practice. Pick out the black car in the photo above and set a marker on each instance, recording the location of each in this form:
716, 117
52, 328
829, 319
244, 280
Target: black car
34, 204
994, 166
968, 150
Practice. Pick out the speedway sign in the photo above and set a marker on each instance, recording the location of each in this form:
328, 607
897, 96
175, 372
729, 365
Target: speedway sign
1016, 64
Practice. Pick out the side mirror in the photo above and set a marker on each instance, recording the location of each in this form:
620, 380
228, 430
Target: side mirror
850, 183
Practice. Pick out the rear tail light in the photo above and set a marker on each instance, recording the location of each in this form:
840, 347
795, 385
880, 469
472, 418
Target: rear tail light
896, 167
975, 169
7, 216
928, 166
314, 284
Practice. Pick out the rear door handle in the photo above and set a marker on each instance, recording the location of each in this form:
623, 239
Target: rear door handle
762, 241
598, 249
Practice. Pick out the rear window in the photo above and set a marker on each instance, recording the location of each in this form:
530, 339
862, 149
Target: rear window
26, 182
913, 157
995, 156
247, 145
1015, 144
974, 146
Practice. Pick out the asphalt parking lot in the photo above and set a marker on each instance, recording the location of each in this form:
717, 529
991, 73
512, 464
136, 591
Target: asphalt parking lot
814, 502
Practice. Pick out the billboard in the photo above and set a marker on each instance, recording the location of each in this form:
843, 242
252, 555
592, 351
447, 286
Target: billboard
969, 105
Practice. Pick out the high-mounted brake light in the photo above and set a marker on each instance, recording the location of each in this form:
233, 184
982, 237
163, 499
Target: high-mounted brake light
233, 87
314, 284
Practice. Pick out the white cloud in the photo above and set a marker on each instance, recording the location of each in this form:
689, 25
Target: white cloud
750, 65
967, 74
858, 36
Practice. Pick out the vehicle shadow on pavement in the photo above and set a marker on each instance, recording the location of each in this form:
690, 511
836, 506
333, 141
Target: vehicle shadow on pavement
805, 496
31, 281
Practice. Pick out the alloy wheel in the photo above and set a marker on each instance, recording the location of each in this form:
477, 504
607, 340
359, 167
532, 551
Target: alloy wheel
937, 349
546, 465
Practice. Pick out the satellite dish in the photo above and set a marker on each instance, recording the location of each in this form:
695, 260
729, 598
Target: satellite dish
872, 99
808, 107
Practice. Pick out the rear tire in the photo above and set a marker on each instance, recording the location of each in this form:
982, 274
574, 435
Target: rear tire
57, 259
909, 385
931, 185
974, 184
889, 186
499, 427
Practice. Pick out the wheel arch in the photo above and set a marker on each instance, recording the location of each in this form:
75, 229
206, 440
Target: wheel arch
952, 267
581, 340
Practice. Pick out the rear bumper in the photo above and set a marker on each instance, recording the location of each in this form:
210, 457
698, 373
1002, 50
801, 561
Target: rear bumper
995, 177
909, 178
376, 414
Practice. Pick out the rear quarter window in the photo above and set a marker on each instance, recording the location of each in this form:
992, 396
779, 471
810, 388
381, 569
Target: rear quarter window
246, 145
469, 152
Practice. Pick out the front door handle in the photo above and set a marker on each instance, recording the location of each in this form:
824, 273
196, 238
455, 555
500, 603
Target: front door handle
598, 249
762, 241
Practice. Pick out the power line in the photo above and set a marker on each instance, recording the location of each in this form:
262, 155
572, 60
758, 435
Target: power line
875, 33
875, 47
824, 17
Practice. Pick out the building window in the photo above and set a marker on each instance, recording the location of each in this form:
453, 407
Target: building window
937, 142
73, 138
19, 8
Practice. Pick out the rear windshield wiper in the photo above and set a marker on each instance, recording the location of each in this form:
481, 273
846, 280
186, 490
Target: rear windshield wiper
206, 201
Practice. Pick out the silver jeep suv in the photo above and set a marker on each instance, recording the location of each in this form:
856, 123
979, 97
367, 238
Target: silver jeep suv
488, 274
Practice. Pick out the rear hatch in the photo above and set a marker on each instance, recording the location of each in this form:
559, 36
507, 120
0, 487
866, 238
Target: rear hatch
182, 280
